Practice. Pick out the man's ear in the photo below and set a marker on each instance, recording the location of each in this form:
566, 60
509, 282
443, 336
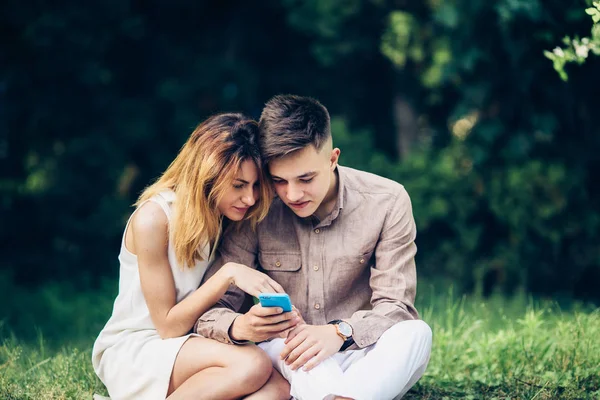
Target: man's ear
335, 156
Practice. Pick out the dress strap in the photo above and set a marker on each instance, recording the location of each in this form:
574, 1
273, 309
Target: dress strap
164, 200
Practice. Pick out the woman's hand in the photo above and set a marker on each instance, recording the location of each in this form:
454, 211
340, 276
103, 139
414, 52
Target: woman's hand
250, 280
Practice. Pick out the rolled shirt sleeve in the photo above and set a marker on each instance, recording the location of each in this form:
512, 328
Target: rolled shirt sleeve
239, 245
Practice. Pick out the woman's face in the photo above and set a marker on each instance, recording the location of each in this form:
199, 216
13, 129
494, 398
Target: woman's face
242, 194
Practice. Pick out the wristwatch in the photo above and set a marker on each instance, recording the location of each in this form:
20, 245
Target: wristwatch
345, 331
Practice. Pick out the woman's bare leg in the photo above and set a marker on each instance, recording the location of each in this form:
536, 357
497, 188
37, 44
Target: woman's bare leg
207, 369
276, 388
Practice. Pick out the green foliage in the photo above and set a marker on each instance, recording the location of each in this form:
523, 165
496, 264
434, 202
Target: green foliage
577, 50
94, 104
498, 153
500, 180
510, 228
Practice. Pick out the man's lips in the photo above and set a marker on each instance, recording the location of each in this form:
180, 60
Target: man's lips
299, 206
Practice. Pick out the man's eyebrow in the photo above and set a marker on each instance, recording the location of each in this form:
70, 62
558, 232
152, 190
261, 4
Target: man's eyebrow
304, 175
307, 174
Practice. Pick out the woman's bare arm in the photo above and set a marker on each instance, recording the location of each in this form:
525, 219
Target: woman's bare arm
149, 231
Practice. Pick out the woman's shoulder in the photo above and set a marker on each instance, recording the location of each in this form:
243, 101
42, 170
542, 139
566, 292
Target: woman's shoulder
149, 218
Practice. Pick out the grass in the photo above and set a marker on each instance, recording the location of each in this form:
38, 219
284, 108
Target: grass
510, 349
483, 349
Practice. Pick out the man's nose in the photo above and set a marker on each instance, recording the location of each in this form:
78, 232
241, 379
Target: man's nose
294, 193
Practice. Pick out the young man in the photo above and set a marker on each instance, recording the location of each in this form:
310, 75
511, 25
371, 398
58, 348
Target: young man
341, 244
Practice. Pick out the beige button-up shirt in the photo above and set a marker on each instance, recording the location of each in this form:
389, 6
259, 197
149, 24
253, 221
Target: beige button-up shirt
356, 265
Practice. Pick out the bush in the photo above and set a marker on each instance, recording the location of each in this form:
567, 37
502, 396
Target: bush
528, 225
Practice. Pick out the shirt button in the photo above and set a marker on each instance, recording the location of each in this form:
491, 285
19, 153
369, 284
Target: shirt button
317, 306
362, 260
277, 264
316, 267
317, 230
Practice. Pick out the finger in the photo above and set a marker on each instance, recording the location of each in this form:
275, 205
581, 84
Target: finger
276, 286
261, 311
292, 351
298, 313
298, 351
294, 309
316, 360
291, 345
299, 328
276, 329
284, 334
267, 286
254, 292
277, 318
277, 322
306, 356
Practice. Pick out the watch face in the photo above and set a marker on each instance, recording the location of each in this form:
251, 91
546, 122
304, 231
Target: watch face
345, 328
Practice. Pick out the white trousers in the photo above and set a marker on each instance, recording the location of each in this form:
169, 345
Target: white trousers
384, 370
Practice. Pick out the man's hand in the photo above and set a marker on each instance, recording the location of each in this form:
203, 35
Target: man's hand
308, 345
262, 323
284, 334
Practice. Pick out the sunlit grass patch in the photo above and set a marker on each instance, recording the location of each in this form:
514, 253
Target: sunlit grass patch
510, 349
482, 349
31, 372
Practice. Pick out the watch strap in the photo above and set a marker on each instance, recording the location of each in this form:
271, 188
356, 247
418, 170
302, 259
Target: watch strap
347, 344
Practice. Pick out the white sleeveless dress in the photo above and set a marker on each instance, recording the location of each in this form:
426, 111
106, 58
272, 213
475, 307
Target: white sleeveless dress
129, 356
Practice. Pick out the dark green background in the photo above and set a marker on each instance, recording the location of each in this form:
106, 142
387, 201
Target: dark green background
454, 99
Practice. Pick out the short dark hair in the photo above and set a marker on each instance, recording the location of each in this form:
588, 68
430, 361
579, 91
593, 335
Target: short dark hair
289, 123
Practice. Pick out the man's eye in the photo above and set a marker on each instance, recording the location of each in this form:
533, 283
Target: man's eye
277, 182
306, 180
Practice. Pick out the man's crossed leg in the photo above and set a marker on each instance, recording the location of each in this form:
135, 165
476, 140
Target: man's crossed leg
384, 370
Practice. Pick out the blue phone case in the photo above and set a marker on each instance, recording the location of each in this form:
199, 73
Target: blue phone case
276, 300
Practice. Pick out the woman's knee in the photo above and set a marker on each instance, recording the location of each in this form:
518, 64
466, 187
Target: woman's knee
281, 385
253, 367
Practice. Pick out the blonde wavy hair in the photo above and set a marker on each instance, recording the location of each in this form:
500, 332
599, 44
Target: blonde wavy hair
200, 175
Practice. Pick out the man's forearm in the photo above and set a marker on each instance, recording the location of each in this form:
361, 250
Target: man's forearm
215, 324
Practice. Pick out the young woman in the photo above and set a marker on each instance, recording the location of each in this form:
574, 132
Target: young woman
145, 350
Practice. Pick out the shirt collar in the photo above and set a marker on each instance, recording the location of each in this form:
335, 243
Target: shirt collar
339, 202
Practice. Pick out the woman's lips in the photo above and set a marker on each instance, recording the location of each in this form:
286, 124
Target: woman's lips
240, 209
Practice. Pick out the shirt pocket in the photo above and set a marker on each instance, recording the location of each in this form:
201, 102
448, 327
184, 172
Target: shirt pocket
285, 269
354, 262
280, 262
366, 259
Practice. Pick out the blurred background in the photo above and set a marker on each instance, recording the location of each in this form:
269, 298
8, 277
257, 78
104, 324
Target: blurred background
454, 99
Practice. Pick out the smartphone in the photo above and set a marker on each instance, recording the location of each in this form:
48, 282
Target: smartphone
276, 300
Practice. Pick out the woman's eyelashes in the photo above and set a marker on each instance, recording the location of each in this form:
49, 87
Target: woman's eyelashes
242, 185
